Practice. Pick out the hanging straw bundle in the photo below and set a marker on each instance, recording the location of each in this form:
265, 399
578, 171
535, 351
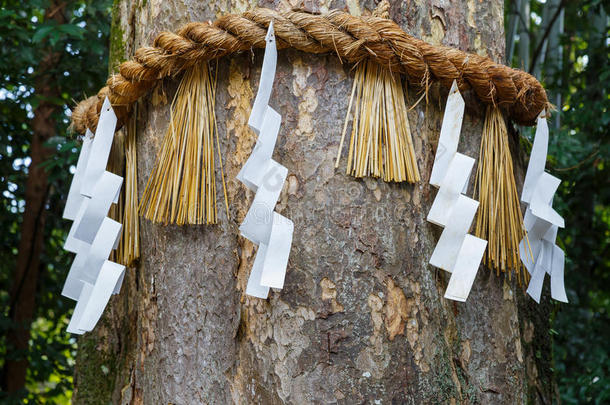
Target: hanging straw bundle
129, 248
122, 161
116, 165
182, 186
381, 144
499, 219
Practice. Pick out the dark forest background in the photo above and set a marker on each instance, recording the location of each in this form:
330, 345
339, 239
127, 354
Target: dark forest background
55, 52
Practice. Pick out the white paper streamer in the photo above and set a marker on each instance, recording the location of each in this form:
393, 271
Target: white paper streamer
75, 198
542, 222
88, 262
104, 286
271, 231
266, 82
92, 278
94, 298
456, 251
104, 192
100, 148
450, 135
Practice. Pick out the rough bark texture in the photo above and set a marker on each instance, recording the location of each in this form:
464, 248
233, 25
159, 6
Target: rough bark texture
362, 318
25, 279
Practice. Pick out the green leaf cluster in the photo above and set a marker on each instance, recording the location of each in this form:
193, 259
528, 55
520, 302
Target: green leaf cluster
579, 154
82, 45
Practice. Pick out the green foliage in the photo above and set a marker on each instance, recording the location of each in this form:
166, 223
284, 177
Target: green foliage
581, 157
579, 154
82, 43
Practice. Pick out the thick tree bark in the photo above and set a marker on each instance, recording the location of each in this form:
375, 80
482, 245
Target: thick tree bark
22, 302
362, 318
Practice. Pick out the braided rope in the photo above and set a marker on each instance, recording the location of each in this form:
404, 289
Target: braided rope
352, 38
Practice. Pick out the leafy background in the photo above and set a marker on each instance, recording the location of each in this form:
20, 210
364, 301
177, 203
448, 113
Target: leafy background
82, 43
567, 51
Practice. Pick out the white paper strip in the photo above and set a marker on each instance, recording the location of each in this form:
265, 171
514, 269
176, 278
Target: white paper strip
92, 278
450, 135
269, 230
257, 224
88, 262
94, 298
535, 167
465, 268
456, 251
254, 287
104, 193
445, 253
102, 245
75, 198
72, 244
276, 258
100, 148
102, 290
542, 198
558, 290
451, 188
251, 174
74, 282
541, 256
77, 315
265, 84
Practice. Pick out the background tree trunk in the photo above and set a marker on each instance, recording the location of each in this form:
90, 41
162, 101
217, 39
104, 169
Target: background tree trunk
22, 304
362, 318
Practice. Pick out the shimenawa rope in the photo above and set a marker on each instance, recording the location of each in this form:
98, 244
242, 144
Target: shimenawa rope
352, 38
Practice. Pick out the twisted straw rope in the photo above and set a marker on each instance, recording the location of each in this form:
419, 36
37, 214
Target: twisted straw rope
352, 38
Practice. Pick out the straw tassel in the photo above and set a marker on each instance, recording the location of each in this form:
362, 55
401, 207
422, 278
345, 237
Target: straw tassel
116, 165
123, 162
381, 144
499, 219
129, 247
182, 186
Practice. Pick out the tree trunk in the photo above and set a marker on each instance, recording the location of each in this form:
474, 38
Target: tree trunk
22, 302
362, 318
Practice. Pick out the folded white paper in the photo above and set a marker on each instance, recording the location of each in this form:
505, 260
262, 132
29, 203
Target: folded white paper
271, 231
251, 174
445, 253
451, 188
103, 288
88, 262
465, 269
456, 251
102, 196
94, 298
265, 84
450, 135
100, 148
77, 314
75, 198
538, 252
254, 287
92, 278
276, 258
72, 244
257, 224
535, 167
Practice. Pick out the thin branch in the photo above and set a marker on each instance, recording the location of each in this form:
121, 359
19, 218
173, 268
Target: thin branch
577, 165
546, 33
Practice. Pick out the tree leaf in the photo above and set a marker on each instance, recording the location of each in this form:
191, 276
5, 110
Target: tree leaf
72, 30
41, 33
